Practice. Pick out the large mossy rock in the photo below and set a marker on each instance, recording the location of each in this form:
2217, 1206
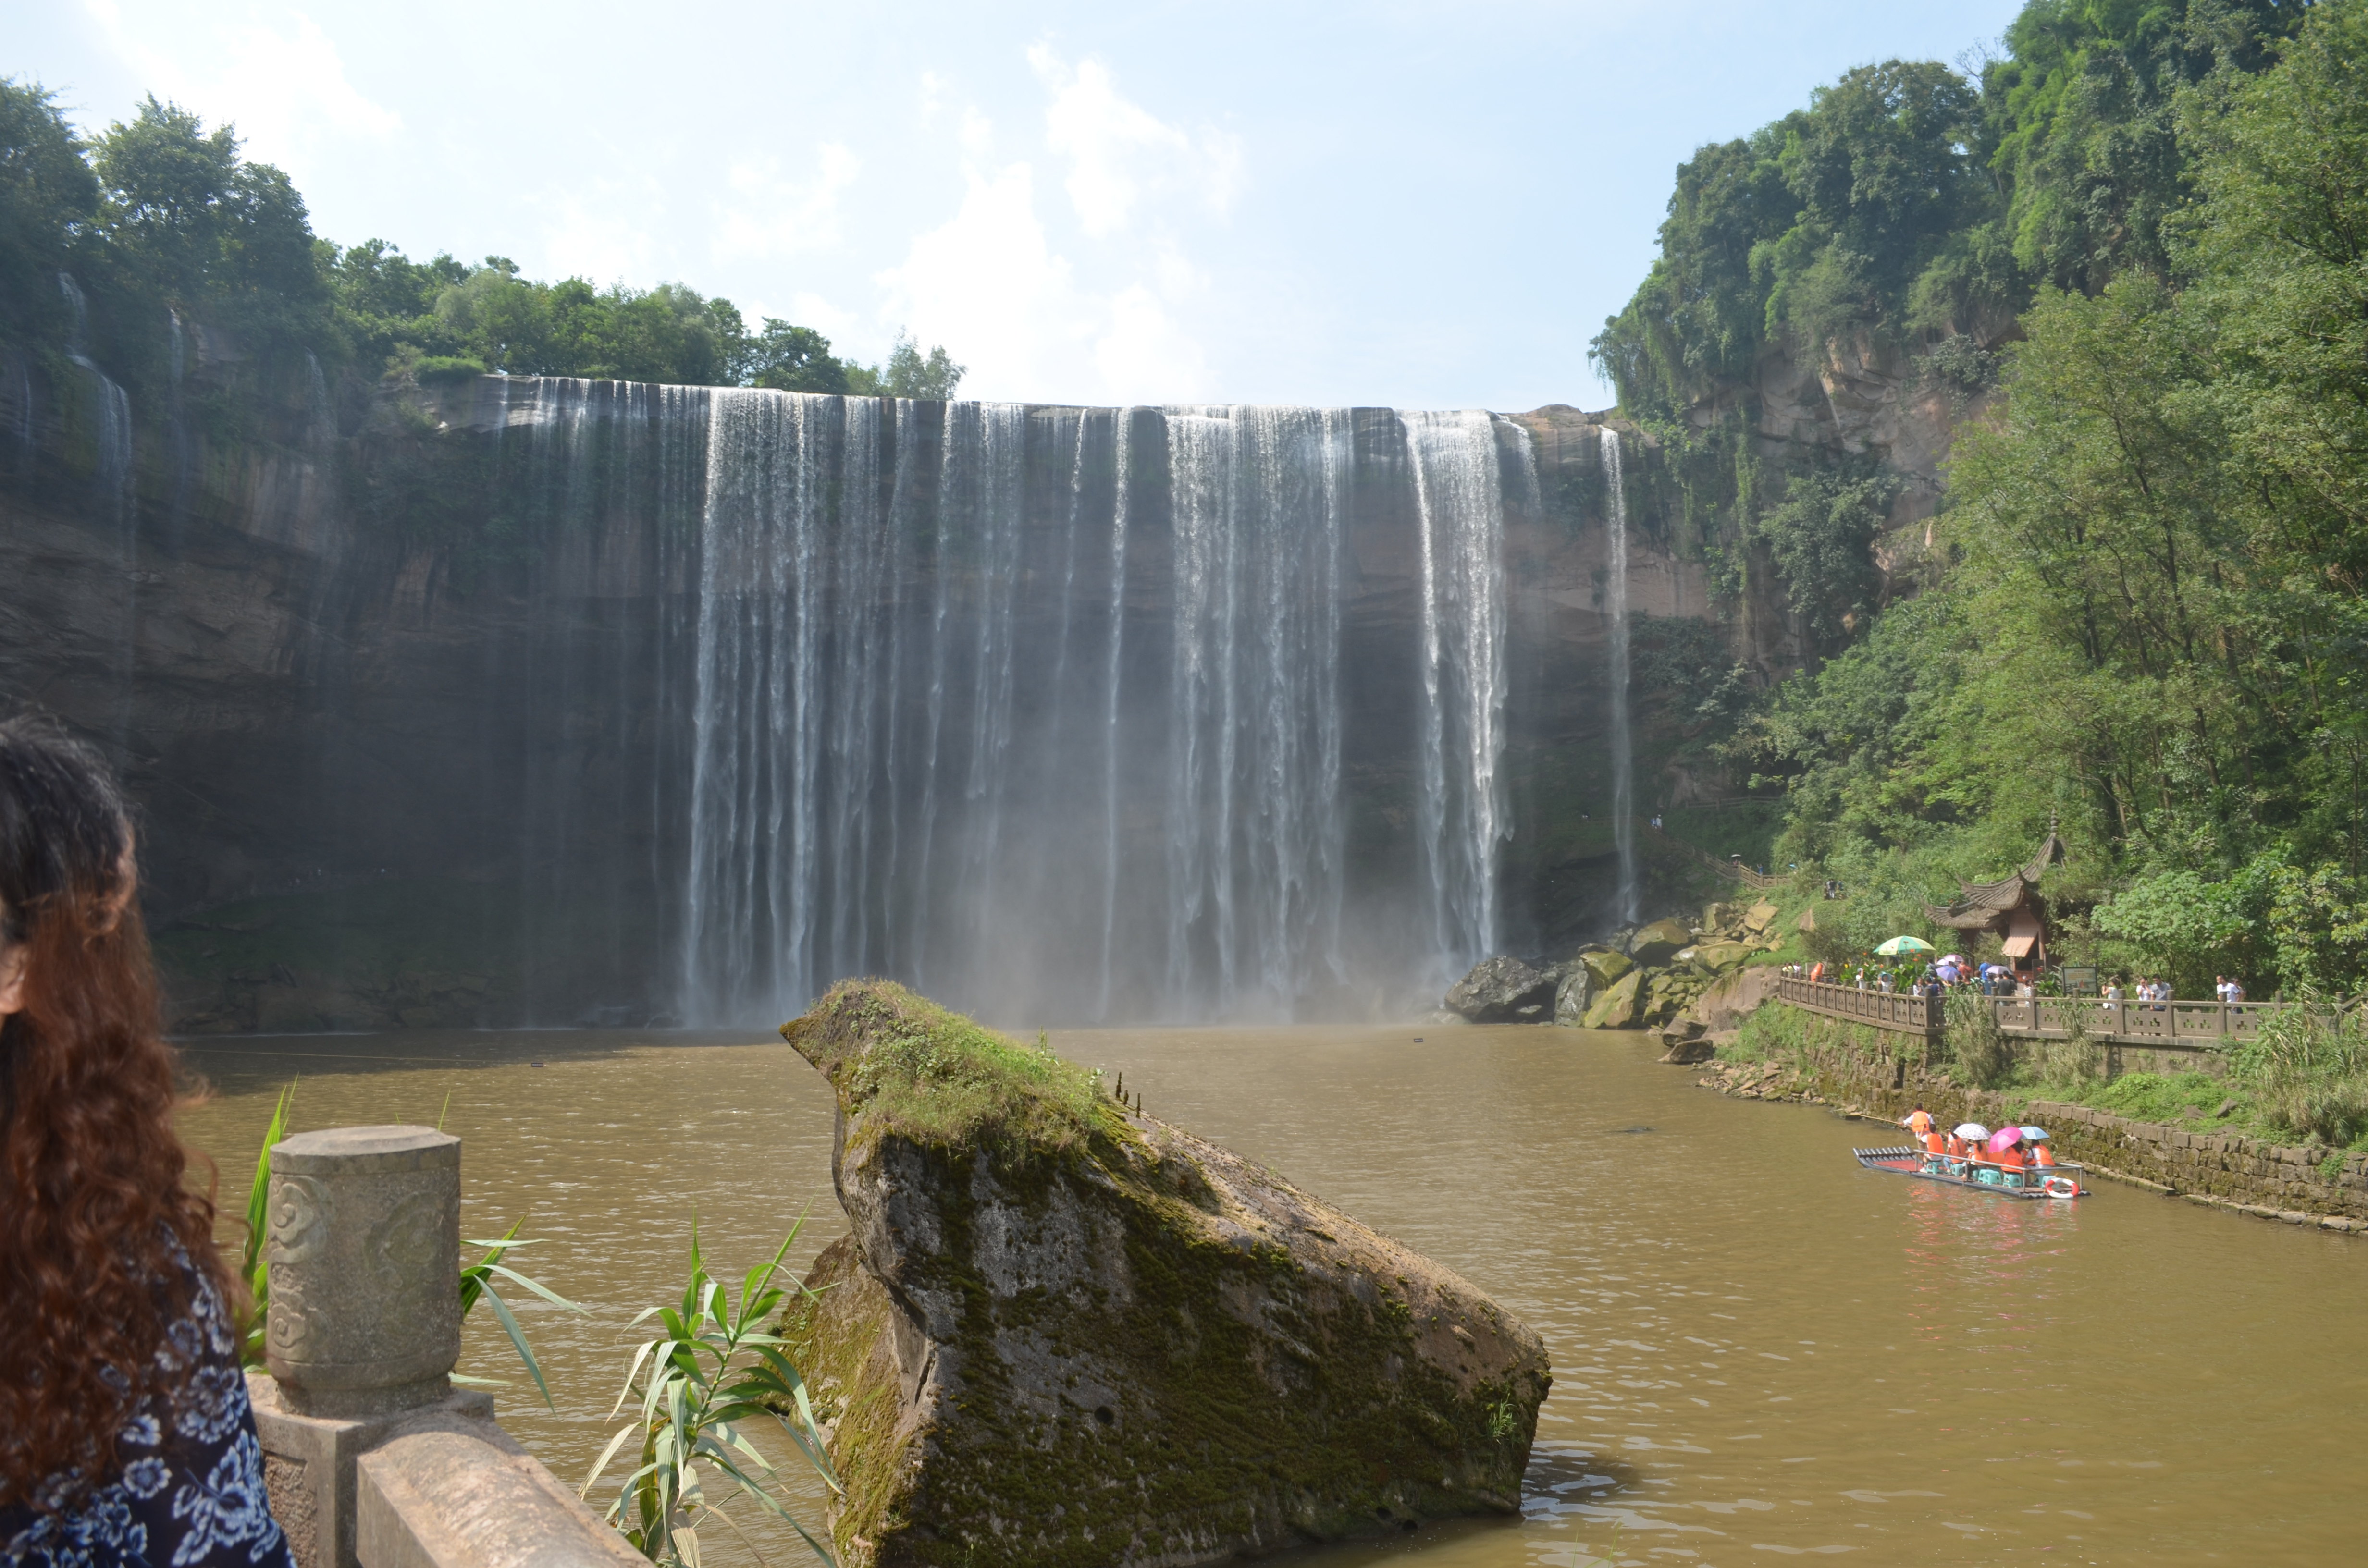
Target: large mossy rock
1604, 967
1064, 1333
1658, 943
1616, 1007
1503, 990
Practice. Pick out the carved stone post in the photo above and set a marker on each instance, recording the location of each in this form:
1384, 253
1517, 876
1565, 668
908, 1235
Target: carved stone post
364, 1321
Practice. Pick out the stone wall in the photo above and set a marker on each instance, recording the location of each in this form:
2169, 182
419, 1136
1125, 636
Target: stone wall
1873, 1079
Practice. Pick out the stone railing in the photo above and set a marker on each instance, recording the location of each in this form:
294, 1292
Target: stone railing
2174, 1029
373, 1460
1883, 1009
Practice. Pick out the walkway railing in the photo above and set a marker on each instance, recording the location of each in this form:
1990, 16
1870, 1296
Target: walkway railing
2205, 1025
1735, 870
1883, 1009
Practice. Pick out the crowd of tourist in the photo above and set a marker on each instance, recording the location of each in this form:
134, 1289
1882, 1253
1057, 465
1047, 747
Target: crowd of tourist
1941, 976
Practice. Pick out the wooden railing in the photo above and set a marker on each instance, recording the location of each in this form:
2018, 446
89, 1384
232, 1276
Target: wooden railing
2201, 1025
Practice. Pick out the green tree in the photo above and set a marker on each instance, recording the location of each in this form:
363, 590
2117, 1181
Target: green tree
912, 374
47, 196
795, 358
191, 221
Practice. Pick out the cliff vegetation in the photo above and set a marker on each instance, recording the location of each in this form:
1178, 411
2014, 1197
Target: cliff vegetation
2124, 257
169, 235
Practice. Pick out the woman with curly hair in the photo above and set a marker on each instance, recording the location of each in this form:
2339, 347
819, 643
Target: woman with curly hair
125, 1433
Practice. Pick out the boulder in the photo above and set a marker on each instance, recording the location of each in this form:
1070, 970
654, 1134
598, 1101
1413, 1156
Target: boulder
1659, 942
1616, 1007
1717, 957
1603, 966
1572, 994
1725, 1005
1503, 990
1758, 918
1061, 1331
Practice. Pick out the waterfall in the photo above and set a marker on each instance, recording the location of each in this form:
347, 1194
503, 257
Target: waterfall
1055, 713
112, 435
1623, 810
1460, 504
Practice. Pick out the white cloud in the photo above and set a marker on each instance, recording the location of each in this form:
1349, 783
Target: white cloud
988, 285
992, 284
1120, 154
286, 92
1146, 356
606, 239
766, 215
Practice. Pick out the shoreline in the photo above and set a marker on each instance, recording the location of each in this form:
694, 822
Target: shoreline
2325, 1189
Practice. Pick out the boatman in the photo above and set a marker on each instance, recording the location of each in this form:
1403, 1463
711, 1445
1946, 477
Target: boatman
1918, 1121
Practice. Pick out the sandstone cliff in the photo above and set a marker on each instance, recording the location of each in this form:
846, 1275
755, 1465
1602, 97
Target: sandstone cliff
1061, 1332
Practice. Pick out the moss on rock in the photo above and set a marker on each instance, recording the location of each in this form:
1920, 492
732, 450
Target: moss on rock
1061, 1333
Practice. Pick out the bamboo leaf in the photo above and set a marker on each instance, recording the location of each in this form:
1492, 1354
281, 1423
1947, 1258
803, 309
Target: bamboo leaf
606, 1455
517, 1342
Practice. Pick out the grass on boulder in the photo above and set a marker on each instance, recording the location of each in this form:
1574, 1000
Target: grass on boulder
906, 1065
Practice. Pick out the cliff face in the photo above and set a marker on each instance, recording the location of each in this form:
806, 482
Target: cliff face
398, 680
1071, 1335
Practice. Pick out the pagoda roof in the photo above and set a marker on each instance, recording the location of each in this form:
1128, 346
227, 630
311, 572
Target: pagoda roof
1986, 906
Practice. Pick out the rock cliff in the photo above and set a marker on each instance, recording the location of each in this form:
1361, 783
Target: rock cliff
1061, 1332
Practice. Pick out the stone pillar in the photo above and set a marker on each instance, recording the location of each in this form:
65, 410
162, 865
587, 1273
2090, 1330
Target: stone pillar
364, 1318
364, 1252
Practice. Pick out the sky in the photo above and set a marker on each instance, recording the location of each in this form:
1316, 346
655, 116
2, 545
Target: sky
1414, 205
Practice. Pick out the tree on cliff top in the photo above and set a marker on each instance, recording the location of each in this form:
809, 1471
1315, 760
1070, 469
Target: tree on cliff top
48, 195
160, 214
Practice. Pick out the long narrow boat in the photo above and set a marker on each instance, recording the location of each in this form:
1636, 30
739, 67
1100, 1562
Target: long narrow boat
2046, 1181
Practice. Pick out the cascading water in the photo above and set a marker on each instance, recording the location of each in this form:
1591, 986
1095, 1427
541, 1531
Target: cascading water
1458, 501
112, 416
1623, 810
1059, 713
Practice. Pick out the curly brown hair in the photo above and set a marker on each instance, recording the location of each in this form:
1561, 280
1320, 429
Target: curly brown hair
102, 1239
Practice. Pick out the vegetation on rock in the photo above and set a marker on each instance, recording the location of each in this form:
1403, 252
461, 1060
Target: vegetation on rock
909, 1068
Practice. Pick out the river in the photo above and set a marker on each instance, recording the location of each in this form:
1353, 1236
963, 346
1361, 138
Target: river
1759, 1350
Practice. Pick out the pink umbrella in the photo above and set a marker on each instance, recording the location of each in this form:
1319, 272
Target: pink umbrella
2004, 1139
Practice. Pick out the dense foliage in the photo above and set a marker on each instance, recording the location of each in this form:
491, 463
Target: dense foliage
159, 219
2145, 620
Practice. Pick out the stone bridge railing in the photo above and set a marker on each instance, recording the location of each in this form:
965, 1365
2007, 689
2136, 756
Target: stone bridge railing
2166, 1036
373, 1460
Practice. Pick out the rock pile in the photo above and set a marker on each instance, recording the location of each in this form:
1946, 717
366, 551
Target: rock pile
1661, 976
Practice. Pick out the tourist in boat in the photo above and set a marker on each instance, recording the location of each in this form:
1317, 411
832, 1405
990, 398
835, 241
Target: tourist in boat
2042, 1155
1918, 1121
125, 1433
2013, 1160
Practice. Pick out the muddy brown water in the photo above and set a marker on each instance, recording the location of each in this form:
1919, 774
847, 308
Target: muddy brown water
1760, 1350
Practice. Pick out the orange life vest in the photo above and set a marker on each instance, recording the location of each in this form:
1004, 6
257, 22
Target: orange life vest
1919, 1122
2040, 1156
1934, 1142
2009, 1158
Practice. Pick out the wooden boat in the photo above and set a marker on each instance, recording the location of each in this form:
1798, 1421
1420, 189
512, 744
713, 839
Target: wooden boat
2043, 1181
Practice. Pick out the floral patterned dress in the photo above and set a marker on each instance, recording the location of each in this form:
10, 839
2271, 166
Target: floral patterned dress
190, 1493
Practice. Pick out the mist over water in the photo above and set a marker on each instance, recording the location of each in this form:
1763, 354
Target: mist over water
1058, 714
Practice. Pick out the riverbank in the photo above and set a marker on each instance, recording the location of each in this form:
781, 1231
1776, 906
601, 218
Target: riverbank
2204, 1155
